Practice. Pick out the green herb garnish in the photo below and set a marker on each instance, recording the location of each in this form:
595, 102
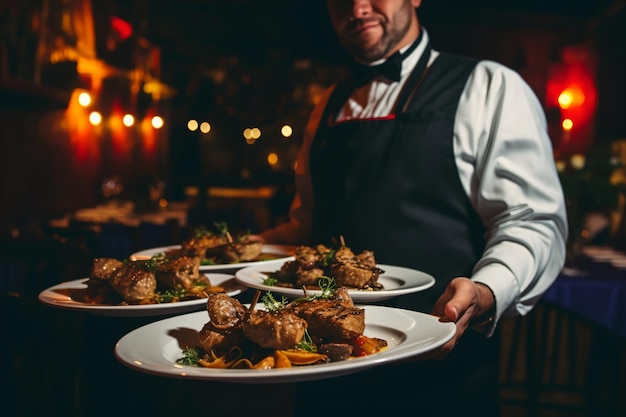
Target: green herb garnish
306, 343
271, 304
327, 285
326, 258
202, 231
221, 227
191, 356
270, 281
169, 295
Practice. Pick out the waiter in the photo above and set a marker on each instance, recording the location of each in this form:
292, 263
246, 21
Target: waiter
435, 162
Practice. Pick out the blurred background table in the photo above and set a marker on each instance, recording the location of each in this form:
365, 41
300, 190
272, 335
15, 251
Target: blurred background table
116, 229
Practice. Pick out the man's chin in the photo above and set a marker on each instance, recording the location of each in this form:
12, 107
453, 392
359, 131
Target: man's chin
366, 51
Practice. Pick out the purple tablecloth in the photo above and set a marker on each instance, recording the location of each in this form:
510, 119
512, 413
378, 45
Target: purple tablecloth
595, 291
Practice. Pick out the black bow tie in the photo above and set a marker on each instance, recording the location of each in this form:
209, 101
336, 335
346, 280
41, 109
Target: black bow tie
390, 69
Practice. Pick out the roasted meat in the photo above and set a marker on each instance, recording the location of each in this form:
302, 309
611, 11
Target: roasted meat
219, 340
332, 319
346, 268
183, 272
133, 281
333, 324
308, 277
198, 246
102, 268
353, 271
243, 251
312, 257
225, 328
307, 267
224, 311
336, 351
281, 330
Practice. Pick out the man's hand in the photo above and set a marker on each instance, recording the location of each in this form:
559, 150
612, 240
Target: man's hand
464, 302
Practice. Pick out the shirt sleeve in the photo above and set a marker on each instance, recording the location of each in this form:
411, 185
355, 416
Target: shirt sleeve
506, 164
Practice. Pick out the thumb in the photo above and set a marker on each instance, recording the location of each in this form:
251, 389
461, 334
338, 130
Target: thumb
451, 312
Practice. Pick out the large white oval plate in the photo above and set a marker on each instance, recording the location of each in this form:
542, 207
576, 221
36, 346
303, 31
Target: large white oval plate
69, 294
155, 347
279, 252
396, 280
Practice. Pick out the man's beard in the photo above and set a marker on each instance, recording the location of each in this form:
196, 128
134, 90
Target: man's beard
393, 32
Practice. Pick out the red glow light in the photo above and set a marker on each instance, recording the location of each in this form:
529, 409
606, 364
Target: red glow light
571, 97
121, 27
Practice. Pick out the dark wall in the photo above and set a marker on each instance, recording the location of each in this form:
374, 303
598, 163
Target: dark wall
53, 161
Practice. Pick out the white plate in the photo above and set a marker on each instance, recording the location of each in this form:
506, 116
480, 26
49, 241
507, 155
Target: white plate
396, 280
284, 252
155, 347
68, 295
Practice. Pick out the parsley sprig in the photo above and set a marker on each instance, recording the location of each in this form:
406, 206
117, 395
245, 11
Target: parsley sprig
271, 304
169, 296
191, 356
306, 343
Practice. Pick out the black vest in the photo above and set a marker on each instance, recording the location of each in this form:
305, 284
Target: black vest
391, 185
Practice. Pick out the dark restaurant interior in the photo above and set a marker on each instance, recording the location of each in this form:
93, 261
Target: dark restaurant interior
127, 125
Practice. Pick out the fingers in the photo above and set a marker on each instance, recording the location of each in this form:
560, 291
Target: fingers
459, 296
457, 305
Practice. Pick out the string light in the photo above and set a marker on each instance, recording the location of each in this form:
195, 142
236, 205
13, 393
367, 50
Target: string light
157, 122
128, 120
286, 131
84, 99
567, 125
272, 158
205, 127
95, 118
192, 125
569, 97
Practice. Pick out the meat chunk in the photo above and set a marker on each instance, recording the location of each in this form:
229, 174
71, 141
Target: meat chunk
225, 328
198, 246
181, 272
224, 311
354, 271
346, 268
219, 340
336, 351
281, 330
243, 251
102, 268
308, 277
134, 282
330, 319
312, 257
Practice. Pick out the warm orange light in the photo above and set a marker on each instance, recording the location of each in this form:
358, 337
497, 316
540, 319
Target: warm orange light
84, 99
157, 122
95, 118
286, 131
565, 100
205, 127
571, 97
128, 120
192, 125
272, 158
567, 124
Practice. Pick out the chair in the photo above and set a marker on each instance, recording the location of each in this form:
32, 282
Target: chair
555, 363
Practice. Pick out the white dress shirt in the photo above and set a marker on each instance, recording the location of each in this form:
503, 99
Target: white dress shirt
505, 163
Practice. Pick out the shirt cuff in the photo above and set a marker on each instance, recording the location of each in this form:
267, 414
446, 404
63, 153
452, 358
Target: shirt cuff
501, 281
